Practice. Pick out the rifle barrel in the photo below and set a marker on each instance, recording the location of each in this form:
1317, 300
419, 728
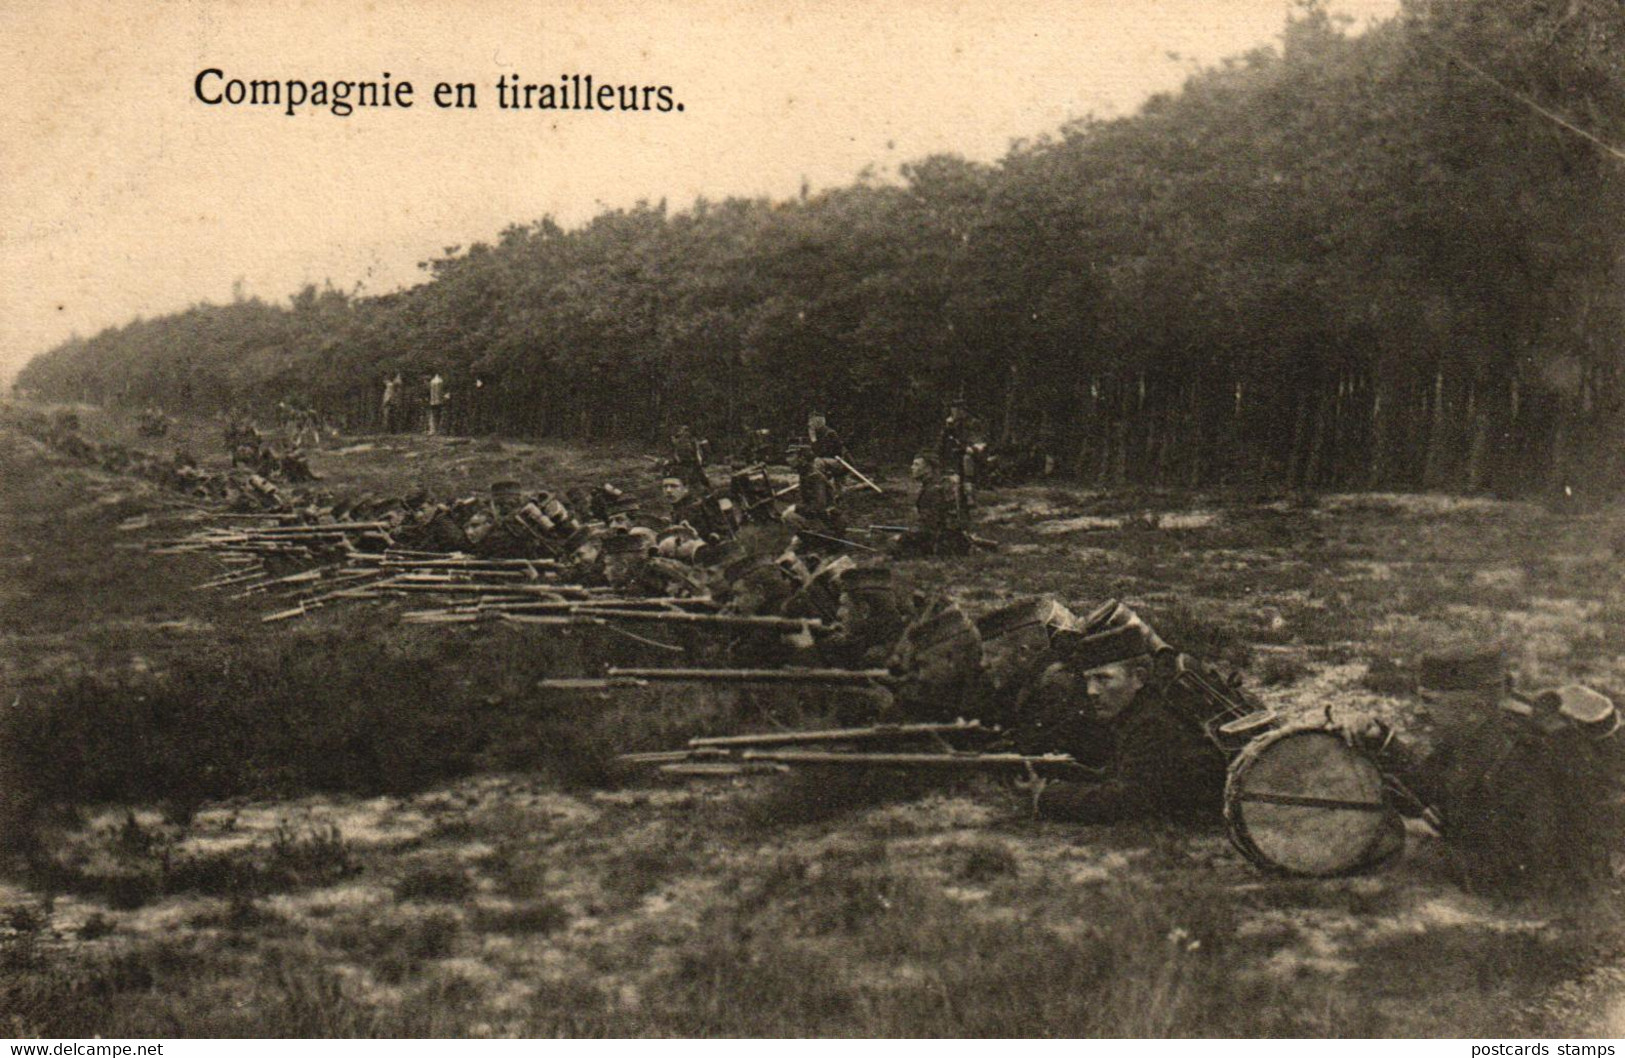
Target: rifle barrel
833, 539
855, 472
837, 676
716, 769
793, 624
1057, 762
878, 732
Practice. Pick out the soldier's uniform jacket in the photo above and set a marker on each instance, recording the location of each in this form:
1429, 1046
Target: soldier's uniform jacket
1158, 765
817, 497
703, 516
826, 443
937, 504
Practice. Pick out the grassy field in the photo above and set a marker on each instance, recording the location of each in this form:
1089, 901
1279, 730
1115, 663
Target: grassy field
347, 825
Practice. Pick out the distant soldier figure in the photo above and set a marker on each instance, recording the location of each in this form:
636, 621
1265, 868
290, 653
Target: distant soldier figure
753, 495
688, 458
954, 437
960, 444
287, 419
309, 424
242, 439
941, 515
816, 514
437, 402
824, 442
391, 409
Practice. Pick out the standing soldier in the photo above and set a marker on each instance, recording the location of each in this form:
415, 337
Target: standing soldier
392, 403
960, 445
953, 440
437, 402
688, 458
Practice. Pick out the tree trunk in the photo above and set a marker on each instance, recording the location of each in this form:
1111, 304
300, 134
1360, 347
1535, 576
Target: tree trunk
1435, 465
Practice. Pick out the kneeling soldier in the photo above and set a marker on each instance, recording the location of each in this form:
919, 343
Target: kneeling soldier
942, 517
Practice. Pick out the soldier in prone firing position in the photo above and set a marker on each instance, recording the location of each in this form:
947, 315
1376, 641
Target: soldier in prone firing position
1105, 706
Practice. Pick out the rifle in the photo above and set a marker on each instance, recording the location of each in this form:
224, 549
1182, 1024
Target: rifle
828, 538
256, 586
615, 678
563, 605
604, 615
248, 573
910, 746
307, 605
855, 472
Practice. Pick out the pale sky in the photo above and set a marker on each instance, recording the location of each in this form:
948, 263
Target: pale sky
123, 195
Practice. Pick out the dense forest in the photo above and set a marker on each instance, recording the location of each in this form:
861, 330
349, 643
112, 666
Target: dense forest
1391, 260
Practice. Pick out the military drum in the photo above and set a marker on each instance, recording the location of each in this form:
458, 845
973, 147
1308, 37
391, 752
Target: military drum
1303, 801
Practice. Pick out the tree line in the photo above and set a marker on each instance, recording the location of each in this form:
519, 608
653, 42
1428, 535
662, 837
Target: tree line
1390, 260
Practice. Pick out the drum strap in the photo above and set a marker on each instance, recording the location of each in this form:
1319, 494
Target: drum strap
1298, 801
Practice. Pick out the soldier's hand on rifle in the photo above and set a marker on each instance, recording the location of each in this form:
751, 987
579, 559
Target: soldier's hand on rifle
1032, 785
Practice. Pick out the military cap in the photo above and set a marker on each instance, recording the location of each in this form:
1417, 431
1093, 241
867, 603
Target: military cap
1110, 646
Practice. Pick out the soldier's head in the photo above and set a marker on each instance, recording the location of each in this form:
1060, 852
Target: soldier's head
815, 420
673, 489
1114, 661
1113, 686
924, 465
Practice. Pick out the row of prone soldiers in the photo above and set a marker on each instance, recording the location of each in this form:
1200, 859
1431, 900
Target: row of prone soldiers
823, 474
241, 489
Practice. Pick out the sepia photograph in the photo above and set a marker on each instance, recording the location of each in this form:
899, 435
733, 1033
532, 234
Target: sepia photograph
720, 519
